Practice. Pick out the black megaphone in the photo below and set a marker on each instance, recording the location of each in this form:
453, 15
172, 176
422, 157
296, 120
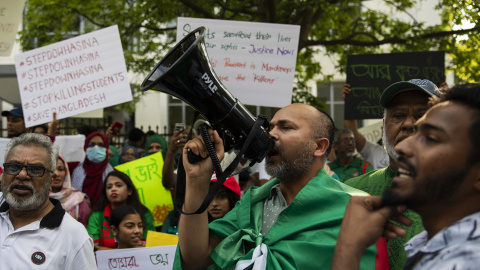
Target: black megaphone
185, 72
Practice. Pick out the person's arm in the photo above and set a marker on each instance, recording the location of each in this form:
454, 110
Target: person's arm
193, 233
94, 229
364, 222
177, 141
352, 124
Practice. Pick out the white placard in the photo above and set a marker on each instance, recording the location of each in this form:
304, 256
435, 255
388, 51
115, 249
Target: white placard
71, 147
148, 258
3, 147
73, 76
372, 132
255, 61
10, 18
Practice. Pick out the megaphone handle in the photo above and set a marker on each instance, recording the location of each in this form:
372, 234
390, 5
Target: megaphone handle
193, 158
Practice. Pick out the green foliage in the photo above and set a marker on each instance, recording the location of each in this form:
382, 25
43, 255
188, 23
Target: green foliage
335, 28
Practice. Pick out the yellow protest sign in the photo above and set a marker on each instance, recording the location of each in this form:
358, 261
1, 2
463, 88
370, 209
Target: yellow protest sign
146, 175
155, 239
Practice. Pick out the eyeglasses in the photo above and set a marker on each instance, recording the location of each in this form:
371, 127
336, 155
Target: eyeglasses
92, 144
345, 141
32, 170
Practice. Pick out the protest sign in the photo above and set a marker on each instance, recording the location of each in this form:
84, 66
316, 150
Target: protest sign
369, 74
145, 258
73, 76
10, 17
146, 174
160, 239
255, 61
3, 148
71, 147
372, 132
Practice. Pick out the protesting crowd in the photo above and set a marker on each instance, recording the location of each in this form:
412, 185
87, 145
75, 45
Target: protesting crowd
332, 198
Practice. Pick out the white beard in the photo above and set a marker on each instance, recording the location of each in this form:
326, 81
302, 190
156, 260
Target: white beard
389, 147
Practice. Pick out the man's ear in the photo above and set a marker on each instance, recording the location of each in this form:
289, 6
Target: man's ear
321, 146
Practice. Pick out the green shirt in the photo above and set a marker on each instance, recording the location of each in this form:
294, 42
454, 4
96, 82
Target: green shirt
375, 184
303, 237
354, 169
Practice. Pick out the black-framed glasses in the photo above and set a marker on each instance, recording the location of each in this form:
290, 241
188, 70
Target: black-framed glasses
32, 170
92, 144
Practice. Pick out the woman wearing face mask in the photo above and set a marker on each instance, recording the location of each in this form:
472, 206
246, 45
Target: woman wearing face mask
126, 225
73, 200
89, 175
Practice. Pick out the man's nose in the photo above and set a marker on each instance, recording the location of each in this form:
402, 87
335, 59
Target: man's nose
409, 122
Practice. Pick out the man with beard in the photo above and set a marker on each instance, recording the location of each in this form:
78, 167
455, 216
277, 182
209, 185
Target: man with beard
35, 232
15, 122
347, 165
440, 179
291, 222
404, 103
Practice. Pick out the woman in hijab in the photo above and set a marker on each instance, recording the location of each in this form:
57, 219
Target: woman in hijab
89, 175
73, 200
156, 143
113, 157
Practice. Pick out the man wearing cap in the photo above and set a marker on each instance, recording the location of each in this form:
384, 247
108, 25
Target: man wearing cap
440, 179
15, 122
404, 103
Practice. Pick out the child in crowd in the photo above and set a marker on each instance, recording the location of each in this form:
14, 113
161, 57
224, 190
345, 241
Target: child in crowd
117, 190
223, 202
126, 225
225, 199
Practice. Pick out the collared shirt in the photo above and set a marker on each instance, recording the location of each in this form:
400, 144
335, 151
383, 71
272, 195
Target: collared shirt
272, 208
57, 241
375, 183
355, 168
455, 247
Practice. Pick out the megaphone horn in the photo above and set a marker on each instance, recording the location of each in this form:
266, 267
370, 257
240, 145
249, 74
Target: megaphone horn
185, 72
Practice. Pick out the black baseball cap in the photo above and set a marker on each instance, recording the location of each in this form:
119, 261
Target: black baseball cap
426, 86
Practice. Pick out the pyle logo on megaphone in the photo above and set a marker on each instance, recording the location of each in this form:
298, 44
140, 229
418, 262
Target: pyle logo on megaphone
209, 83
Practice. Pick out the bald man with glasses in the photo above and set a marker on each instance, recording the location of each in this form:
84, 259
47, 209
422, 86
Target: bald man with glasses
35, 232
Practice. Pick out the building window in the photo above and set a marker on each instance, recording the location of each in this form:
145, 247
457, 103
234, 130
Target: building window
330, 93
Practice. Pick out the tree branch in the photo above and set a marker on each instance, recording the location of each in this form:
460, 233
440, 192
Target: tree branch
88, 18
198, 9
392, 40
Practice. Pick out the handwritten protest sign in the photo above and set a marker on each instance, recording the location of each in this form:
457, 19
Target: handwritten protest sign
146, 258
10, 18
73, 76
369, 74
255, 61
372, 132
146, 174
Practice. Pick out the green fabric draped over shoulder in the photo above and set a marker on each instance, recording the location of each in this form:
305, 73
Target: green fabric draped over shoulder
304, 236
